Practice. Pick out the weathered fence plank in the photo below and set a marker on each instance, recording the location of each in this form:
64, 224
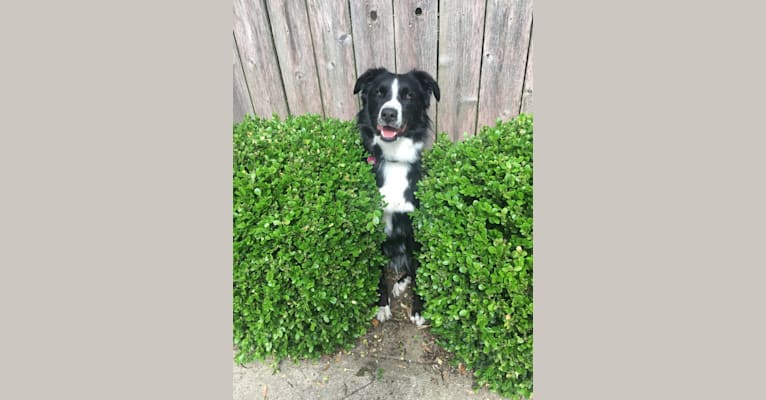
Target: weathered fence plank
506, 43
461, 27
292, 38
296, 57
526, 97
334, 49
242, 103
373, 26
416, 28
259, 60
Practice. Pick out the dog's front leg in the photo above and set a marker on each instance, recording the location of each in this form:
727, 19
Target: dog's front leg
384, 304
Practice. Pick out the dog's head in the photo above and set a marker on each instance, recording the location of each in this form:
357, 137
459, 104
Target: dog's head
395, 104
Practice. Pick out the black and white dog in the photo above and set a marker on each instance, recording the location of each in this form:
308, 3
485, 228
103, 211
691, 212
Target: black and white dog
394, 127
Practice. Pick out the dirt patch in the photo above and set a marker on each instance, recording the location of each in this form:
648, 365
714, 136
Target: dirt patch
394, 359
400, 340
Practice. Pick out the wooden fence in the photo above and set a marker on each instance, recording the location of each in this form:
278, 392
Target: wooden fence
293, 57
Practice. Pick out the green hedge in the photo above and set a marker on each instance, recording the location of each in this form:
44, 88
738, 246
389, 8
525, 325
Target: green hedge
475, 225
306, 237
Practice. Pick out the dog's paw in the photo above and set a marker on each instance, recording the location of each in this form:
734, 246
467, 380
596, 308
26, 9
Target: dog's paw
401, 286
417, 319
384, 313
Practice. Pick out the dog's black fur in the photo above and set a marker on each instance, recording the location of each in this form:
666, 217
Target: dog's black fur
394, 126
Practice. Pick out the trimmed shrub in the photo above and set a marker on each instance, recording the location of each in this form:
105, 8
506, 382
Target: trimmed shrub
475, 225
306, 237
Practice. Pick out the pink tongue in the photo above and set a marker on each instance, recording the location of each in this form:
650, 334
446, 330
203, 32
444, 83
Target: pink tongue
388, 133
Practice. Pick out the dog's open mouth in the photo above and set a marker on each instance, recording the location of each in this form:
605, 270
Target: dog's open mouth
388, 133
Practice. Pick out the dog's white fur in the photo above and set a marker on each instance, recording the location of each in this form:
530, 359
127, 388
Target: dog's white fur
393, 103
401, 150
400, 287
384, 314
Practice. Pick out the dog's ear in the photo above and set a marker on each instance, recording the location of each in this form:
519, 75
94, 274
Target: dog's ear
428, 83
364, 80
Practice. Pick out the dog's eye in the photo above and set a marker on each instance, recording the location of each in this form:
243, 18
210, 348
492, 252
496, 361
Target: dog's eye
381, 91
408, 95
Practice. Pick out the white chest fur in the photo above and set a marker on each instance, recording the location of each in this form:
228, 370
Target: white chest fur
395, 183
402, 149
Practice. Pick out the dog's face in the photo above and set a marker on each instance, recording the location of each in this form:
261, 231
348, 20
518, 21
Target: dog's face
395, 104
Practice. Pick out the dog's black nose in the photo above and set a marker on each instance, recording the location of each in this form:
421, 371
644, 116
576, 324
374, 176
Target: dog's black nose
388, 114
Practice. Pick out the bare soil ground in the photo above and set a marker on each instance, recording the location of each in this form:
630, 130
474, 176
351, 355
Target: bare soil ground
394, 360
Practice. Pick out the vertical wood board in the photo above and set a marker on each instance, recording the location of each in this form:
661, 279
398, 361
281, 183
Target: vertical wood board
333, 46
292, 38
526, 97
242, 103
506, 43
461, 27
373, 25
259, 59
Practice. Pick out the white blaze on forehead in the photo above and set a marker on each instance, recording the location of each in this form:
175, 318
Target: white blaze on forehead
393, 102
